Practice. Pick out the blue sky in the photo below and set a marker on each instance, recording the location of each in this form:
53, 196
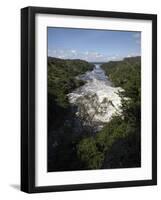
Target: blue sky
93, 45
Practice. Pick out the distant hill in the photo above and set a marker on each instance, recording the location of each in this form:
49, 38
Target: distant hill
121, 72
97, 62
133, 59
54, 59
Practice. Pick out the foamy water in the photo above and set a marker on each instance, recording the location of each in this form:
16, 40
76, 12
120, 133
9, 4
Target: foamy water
97, 100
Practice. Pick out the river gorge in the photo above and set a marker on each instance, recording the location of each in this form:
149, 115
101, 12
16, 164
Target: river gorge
90, 126
97, 101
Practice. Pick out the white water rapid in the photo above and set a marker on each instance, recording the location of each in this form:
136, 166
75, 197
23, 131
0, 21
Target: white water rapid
97, 100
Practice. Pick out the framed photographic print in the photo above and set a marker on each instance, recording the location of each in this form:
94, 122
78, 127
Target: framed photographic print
88, 99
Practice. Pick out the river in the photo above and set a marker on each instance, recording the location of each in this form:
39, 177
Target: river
97, 100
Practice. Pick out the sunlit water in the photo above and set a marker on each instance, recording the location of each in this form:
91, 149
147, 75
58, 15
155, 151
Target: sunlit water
97, 100
97, 73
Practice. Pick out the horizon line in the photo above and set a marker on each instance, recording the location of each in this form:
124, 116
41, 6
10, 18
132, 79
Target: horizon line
95, 61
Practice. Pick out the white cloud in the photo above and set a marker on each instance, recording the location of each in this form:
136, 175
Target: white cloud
73, 51
132, 55
91, 56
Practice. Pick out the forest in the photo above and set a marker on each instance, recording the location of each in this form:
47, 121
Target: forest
118, 143
62, 139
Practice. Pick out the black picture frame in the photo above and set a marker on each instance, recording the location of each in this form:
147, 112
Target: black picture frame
28, 98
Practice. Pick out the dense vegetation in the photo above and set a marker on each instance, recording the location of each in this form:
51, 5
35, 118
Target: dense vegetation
118, 143
61, 136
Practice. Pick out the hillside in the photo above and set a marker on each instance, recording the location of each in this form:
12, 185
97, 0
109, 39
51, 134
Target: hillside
118, 144
61, 81
127, 74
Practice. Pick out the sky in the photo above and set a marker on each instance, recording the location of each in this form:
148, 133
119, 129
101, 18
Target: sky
93, 45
